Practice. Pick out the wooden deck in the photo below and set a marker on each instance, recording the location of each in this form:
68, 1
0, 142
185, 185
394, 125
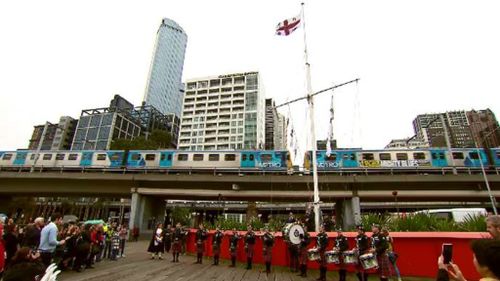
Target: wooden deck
137, 265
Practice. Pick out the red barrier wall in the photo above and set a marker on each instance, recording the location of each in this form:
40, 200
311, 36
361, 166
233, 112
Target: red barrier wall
418, 251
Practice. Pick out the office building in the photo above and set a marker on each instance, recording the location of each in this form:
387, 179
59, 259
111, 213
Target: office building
164, 88
275, 135
407, 143
225, 112
484, 127
57, 137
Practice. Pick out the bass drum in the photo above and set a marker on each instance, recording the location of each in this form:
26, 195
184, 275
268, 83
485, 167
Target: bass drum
292, 232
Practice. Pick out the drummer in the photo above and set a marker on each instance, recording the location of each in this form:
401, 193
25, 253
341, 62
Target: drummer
321, 244
305, 239
362, 247
341, 245
380, 246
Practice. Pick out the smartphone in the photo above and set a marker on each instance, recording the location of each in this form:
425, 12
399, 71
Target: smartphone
447, 252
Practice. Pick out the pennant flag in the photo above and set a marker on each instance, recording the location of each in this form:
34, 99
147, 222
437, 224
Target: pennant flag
288, 26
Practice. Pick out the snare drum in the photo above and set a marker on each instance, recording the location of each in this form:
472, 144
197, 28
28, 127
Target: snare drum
292, 232
332, 257
313, 254
368, 261
350, 257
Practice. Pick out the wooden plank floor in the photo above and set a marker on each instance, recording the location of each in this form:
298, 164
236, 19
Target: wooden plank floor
137, 265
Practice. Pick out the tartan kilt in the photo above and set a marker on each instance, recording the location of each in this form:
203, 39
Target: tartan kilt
384, 265
176, 247
216, 249
267, 251
303, 256
250, 250
200, 247
233, 251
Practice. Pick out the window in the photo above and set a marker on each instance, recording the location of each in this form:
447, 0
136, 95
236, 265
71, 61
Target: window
198, 157
419, 156
60, 156
266, 157
384, 156
332, 157
73, 157
136, 157
458, 155
32, 157
367, 156
474, 155
101, 157
251, 157
150, 157
213, 157
21, 156
498, 154
7, 156
402, 156
244, 157
182, 157
229, 157
47, 157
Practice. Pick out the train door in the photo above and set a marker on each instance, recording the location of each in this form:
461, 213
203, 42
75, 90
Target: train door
248, 159
348, 159
438, 157
472, 158
166, 159
86, 158
20, 158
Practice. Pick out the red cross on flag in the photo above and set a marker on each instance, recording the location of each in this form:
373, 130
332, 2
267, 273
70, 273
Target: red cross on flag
288, 26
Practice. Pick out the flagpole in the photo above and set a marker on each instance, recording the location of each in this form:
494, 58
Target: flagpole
311, 120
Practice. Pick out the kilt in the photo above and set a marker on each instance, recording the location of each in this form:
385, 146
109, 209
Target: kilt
322, 258
233, 251
216, 249
341, 265
267, 251
303, 256
385, 268
176, 246
250, 250
200, 247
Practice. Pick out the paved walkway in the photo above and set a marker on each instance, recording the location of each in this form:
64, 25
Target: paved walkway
137, 265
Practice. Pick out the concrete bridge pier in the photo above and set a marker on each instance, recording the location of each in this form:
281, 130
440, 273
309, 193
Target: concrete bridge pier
146, 211
350, 212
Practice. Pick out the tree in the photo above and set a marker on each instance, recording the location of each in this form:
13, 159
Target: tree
161, 138
157, 139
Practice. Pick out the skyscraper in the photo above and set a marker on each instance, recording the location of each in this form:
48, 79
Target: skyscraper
164, 88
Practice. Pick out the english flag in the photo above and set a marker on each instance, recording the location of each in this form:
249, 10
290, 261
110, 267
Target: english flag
288, 26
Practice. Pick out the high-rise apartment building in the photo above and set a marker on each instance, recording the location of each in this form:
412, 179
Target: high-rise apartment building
57, 137
276, 137
164, 86
223, 112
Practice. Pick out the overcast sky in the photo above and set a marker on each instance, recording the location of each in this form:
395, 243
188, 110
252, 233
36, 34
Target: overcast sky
413, 57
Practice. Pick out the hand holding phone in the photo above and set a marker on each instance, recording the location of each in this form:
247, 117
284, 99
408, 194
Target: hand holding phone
447, 252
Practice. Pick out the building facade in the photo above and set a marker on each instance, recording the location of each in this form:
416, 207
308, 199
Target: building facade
407, 143
275, 135
57, 137
429, 129
484, 127
164, 88
224, 112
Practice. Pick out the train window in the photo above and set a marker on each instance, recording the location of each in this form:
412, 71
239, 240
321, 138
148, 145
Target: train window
101, 157
182, 157
150, 157
162, 157
367, 156
20, 156
198, 157
7, 156
231, 157
32, 157
169, 158
402, 156
384, 156
244, 157
458, 155
419, 156
47, 156
441, 155
474, 155
498, 154
213, 157
73, 156
332, 157
266, 157
135, 157
60, 156
252, 157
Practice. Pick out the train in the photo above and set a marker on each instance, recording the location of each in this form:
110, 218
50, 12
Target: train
265, 160
148, 159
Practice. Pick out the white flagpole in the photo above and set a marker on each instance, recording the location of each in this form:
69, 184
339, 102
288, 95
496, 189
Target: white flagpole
317, 219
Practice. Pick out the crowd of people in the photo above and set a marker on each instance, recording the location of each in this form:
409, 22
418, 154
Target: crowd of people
71, 246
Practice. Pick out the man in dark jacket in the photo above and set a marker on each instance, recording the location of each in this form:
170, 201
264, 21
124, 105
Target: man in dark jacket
32, 233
